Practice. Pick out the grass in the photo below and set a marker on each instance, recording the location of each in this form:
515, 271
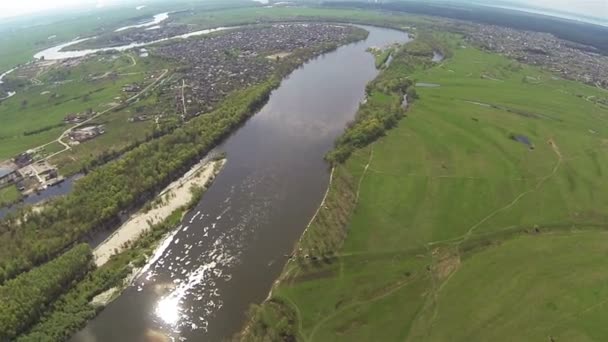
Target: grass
528, 288
120, 133
9, 195
252, 15
461, 233
41, 108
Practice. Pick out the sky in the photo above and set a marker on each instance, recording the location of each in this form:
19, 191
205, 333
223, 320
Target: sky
13, 8
593, 8
590, 8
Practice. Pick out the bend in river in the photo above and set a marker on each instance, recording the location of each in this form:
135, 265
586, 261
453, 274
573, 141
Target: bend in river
56, 52
157, 19
231, 247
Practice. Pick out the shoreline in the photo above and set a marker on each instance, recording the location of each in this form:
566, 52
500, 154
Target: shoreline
175, 195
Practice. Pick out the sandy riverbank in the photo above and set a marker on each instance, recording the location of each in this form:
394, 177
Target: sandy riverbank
174, 196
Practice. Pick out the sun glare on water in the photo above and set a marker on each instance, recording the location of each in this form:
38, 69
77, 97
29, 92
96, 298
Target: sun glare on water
167, 310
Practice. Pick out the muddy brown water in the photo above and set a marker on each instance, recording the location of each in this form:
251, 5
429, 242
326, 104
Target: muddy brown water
232, 246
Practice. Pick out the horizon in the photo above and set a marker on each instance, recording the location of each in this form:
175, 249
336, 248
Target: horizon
589, 11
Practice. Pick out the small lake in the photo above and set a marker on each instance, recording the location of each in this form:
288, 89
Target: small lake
522, 139
231, 247
60, 189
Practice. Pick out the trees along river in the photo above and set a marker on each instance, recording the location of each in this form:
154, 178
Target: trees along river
99, 200
231, 247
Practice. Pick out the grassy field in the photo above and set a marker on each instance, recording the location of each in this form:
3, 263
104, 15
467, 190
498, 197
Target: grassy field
252, 15
9, 195
120, 133
35, 115
460, 232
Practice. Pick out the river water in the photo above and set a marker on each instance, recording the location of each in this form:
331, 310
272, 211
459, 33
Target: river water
157, 19
60, 189
55, 52
232, 246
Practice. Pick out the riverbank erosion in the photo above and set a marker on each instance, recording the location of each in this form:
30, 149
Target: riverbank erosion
276, 318
108, 194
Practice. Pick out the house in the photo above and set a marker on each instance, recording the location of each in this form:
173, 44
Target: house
8, 173
86, 133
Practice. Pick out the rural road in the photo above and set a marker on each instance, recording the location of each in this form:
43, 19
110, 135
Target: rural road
67, 131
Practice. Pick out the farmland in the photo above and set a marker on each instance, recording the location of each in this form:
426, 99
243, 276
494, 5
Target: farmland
459, 231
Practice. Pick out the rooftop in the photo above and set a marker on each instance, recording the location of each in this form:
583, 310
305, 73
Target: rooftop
6, 170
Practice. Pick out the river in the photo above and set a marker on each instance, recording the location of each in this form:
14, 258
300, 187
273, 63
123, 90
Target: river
55, 52
157, 19
232, 246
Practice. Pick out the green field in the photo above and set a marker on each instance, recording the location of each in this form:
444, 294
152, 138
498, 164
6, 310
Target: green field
460, 232
120, 133
34, 116
9, 195
240, 16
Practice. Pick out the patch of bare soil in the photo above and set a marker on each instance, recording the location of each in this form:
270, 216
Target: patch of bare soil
446, 261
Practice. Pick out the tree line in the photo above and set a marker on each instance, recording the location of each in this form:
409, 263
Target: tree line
383, 108
22, 299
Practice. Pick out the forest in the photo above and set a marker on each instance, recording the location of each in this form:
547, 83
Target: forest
23, 298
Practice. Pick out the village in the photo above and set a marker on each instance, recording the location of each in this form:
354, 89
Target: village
214, 66
217, 65
209, 69
127, 37
568, 59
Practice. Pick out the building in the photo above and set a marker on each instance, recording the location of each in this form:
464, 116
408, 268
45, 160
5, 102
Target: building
8, 173
86, 133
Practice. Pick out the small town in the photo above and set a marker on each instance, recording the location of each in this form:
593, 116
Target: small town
220, 64
135, 36
568, 59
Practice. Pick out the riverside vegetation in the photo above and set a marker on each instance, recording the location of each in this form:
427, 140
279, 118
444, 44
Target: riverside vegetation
276, 319
447, 228
34, 238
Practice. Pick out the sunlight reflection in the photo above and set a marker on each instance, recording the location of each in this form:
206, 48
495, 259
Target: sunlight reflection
167, 309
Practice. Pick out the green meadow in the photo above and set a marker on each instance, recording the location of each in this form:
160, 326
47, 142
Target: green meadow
34, 116
238, 16
9, 195
479, 217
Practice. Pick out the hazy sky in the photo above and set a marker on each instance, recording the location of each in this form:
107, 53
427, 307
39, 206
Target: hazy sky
11, 8
593, 8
